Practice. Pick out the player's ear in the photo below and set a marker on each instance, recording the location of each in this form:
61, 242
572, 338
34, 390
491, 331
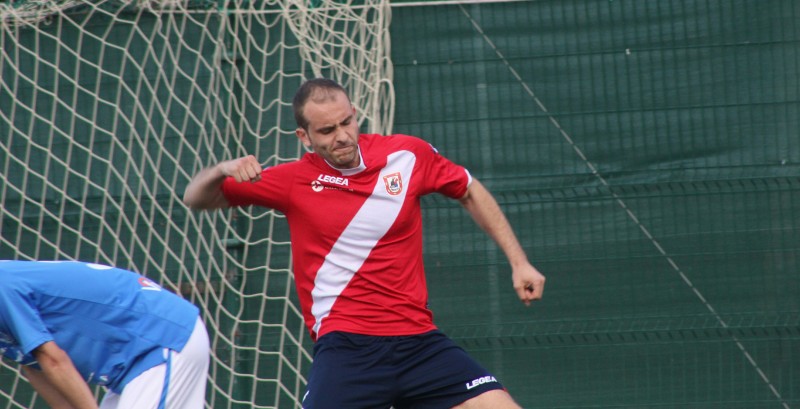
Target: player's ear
302, 134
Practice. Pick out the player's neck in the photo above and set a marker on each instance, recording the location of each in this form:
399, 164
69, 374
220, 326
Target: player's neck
353, 170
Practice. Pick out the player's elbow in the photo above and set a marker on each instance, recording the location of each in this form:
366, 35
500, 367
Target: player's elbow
51, 357
203, 201
191, 200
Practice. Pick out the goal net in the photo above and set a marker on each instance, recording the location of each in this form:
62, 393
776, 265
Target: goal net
107, 109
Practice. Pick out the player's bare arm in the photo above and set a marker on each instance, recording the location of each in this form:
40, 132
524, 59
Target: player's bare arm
203, 192
59, 383
527, 280
47, 391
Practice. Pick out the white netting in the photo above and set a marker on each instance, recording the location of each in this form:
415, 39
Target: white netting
107, 110
33, 11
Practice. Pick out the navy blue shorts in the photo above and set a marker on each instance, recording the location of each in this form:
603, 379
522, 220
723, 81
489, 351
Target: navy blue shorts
353, 371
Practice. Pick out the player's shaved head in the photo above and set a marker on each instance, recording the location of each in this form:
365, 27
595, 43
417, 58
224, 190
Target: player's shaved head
318, 90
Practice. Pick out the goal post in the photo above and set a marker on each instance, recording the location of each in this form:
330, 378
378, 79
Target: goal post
108, 109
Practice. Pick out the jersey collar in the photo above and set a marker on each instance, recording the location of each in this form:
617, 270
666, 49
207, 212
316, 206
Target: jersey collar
352, 171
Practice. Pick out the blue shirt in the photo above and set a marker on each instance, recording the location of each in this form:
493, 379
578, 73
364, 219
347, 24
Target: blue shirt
114, 324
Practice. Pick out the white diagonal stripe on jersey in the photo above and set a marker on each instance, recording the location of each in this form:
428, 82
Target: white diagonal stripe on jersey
369, 225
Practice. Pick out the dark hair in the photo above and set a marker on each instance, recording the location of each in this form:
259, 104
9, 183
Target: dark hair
306, 91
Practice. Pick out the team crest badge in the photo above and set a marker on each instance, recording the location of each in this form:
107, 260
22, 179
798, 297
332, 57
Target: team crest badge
394, 183
148, 284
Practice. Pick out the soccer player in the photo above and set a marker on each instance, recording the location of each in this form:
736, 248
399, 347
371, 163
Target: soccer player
71, 324
354, 216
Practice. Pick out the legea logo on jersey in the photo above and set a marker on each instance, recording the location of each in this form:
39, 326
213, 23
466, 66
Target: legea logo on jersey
394, 183
318, 184
480, 381
148, 284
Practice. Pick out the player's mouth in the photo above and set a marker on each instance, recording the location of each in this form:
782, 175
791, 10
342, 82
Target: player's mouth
343, 150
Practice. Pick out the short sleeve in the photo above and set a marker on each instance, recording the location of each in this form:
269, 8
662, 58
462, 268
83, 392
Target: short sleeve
442, 175
270, 191
20, 319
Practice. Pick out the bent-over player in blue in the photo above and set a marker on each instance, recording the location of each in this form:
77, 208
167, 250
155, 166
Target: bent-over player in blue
72, 324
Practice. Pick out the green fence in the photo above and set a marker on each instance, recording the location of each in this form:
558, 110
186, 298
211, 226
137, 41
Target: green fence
647, 153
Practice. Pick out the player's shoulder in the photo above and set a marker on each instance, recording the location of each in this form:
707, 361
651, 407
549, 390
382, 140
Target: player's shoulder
399, 141
10, 278
292, 166
398, 138
19, 278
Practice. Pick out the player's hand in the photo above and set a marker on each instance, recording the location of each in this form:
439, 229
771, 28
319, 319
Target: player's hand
242, 169
528, 283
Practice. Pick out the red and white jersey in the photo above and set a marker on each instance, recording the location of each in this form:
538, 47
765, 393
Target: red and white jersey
357, 233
